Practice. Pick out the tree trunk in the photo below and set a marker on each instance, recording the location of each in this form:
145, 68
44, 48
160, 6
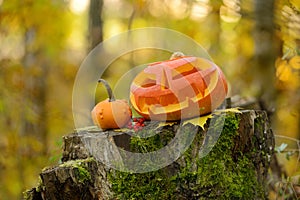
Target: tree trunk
95, 23
235, 167
35, 91
266, 50
33, 113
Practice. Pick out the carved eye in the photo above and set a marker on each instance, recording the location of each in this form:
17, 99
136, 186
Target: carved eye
148, 83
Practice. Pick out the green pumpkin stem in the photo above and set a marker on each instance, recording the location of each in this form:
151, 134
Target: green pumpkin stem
111, 96
176, 54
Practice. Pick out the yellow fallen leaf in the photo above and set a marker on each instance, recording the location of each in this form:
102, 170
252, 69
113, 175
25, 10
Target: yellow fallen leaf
162, 124
198, 121
295, 3
201, 121
295, 62
283, 71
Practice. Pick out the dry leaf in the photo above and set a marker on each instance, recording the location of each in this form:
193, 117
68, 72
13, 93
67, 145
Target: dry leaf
162, 124
295, 62
198, 121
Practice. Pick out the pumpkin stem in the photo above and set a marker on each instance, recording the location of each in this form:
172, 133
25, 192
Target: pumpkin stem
111, 96
176, 54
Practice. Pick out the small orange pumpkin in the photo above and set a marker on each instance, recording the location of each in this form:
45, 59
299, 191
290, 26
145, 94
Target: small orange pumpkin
111, 113
179, 88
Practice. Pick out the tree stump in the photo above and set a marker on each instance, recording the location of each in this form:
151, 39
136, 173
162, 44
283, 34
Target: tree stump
235, 166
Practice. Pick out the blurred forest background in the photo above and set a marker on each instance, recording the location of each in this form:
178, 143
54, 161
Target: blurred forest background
43, 43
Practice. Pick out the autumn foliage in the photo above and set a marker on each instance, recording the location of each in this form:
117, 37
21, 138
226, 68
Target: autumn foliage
43, 44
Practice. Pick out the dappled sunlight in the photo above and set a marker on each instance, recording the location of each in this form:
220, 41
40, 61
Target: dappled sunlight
178, 8
79, 6
200, 10
10, 48
229, 14
113, 27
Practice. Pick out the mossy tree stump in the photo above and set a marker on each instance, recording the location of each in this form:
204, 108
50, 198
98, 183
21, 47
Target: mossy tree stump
235, 168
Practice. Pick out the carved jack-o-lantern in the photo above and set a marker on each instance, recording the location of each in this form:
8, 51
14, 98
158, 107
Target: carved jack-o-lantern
180, 88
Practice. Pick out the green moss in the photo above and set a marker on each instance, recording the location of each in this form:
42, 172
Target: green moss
152, 185
80, 169
215, 176
40, 186
149, 144
82, 174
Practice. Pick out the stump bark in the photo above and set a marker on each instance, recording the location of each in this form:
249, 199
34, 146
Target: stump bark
235, 167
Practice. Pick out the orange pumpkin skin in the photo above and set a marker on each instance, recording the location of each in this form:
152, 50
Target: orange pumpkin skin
179, 88
110, 115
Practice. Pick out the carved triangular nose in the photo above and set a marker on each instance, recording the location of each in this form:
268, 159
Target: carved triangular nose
164, 80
